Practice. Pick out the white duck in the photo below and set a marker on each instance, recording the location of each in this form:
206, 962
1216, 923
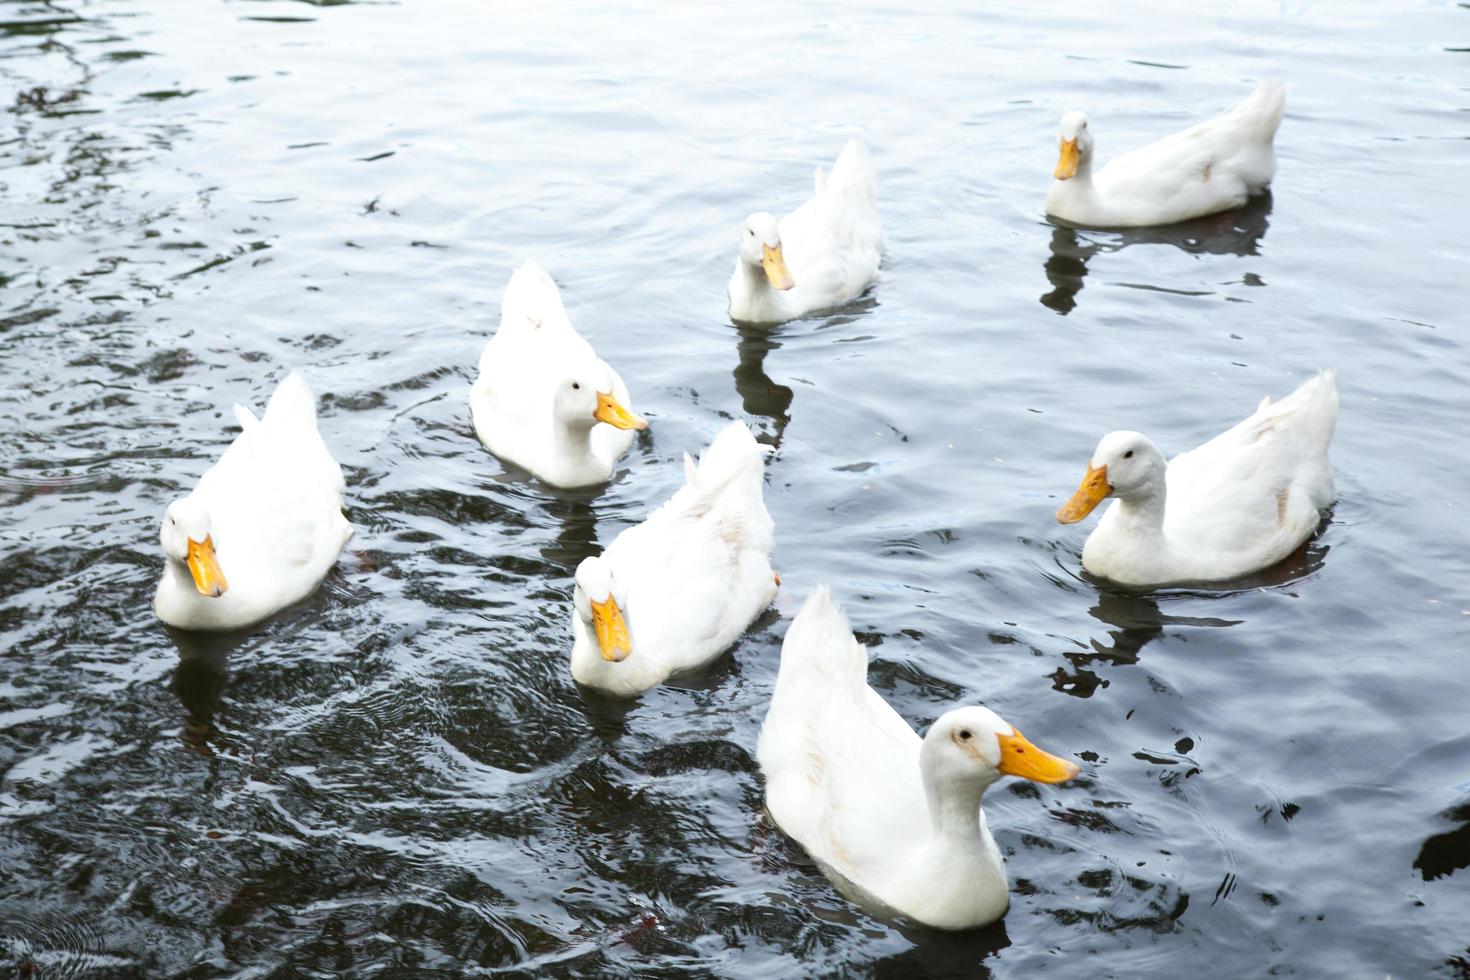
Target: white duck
544, 400
1214, 166
820, 256
893, 819
1240, 503
262, 528
674, 592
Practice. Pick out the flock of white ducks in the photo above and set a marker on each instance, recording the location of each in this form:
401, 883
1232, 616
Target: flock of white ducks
894, 819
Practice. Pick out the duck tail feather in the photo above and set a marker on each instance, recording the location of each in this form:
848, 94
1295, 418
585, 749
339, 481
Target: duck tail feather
853, 173
292, 403
531, 296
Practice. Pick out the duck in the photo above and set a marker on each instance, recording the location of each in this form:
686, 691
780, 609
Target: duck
671, 594
1213, 166
1238, 504
543, 400
894, 820
820, 256
262, 527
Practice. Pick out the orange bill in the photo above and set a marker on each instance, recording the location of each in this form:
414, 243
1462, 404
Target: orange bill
1019, 757
775, 265
612, 631
614, 414
1067, 165
1094, 489
204, 566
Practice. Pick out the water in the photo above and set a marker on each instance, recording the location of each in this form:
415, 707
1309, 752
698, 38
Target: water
400, 776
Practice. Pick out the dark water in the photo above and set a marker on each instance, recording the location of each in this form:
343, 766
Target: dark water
400, 776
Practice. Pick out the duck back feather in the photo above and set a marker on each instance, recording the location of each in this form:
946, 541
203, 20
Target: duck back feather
1262, 484
827, 741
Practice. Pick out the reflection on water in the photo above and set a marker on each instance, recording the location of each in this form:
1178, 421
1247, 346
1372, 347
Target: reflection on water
759, 394
1237, 232
1138, 621
946, 954
1446, 853
576, 537
199, 683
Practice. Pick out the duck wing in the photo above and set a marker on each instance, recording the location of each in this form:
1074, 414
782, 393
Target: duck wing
1260, 485
841, 767
833, 243
1230, 157
275, 496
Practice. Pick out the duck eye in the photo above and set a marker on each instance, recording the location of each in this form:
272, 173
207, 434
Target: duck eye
964, 734
577, 387
1128, 454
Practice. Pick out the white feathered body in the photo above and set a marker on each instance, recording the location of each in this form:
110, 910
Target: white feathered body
833, 245
694, 575
274, 501
843, 779
533, 349
1213, 166
1237, 504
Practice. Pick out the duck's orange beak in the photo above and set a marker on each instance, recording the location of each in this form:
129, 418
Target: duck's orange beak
612, 631
1067, 165
204, 566
1019, 757
775, 265
615, 415
1093, 491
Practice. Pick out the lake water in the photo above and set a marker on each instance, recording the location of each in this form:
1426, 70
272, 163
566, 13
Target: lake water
400, 776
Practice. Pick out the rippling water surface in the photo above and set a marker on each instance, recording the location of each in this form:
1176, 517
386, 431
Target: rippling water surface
399, 774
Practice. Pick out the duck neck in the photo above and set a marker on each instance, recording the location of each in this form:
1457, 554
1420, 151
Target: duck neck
1141, 511
752, 280
954, 807
1083, 177
572, 443
178, 575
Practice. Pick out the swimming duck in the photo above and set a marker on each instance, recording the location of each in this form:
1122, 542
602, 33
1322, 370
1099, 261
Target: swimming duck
674, 592
544, 400
263, 526
1214, 166
1239, 503
820, 256
893, 819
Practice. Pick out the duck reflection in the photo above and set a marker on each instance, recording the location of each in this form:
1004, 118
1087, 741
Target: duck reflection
576, 537
199, 682
759, 394
1138, 621
1444, 854
946, 954
1237, 232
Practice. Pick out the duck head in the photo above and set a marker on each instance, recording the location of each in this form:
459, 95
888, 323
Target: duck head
585, 397
1126, 465
760, 246
1076, 145
974, 746
599, 604
186, 538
